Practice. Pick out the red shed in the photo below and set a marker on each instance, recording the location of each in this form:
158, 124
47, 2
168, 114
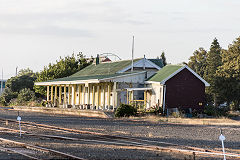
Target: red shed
177, 86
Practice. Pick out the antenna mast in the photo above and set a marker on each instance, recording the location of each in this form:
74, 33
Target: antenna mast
2, 82
16, 70
132, 52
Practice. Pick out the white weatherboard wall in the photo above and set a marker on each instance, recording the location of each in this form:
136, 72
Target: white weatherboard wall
131, 78
143, 63
156, 97
122, 95
151, 72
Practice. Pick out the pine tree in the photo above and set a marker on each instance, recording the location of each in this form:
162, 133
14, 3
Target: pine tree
164, 59
213, 61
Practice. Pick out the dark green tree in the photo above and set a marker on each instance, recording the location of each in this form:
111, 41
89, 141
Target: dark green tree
27, 72
7, 96
21, 81
24, 80
230, 72
198, 61
213, 61
25, 95
163, 59
62, 68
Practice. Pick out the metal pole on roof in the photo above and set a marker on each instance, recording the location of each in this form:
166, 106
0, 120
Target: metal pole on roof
132, 52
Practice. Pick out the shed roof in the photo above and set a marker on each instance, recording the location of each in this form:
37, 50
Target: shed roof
164, 73
169, 71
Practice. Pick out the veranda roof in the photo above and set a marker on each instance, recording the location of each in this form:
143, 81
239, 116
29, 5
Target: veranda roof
138, 89
83, 79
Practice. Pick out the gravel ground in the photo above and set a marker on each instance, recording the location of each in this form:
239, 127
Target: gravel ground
100, 151
191, 135
6, 155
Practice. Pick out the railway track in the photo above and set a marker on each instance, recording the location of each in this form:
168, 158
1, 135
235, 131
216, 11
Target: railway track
32, 151
100, 138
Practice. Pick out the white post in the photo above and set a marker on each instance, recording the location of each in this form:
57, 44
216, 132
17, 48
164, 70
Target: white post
19, 120
20, 128
132, 53
222, 138
114, 95
224, 156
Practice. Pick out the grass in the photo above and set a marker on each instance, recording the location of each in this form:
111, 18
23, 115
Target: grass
191, 121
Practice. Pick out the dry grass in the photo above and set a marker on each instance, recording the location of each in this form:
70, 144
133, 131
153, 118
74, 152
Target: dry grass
193, 121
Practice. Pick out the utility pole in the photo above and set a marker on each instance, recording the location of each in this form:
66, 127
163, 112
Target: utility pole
2, 82
16, 70
132, 52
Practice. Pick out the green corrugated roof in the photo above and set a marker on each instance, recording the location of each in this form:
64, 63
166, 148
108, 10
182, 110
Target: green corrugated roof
90, 77
158, 62
164, 73
104, 68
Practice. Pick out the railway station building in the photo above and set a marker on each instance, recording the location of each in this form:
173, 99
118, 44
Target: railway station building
142, 82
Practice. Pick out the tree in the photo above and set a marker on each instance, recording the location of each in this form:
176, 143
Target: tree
25, 95
21, 81
27, 72
7, 96
198, 61
164, 59
230, 72
213, 61
64, 67
24, 80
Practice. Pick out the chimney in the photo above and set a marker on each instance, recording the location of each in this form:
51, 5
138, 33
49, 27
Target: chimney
97, 59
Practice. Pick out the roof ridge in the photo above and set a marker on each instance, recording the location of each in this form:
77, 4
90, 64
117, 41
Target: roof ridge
104, 68
122, 60
176, 65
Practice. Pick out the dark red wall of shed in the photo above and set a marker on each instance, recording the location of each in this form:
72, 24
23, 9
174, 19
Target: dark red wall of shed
185, 90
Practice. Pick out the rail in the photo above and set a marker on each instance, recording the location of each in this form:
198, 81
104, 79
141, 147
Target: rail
121, 140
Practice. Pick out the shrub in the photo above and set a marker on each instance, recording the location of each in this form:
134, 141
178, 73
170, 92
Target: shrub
25, 95
2, 101
36, 103
211, 110
7, 96
125, 110
158, 110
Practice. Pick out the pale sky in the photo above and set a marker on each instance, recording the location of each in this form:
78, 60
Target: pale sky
34, 33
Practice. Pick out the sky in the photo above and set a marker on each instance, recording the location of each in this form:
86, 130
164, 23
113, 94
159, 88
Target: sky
34, 33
